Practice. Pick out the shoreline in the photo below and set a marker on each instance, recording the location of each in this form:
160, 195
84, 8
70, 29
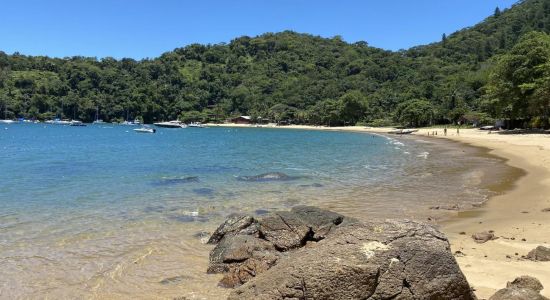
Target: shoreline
515, 215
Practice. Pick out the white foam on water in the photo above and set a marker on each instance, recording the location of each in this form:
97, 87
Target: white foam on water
424, 155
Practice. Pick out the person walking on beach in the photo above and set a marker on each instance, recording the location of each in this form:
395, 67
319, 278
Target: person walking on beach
445, 131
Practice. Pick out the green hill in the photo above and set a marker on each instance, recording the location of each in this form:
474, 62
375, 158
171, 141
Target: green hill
282, 76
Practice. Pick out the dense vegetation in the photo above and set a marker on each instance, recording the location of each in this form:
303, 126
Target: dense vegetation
496, 69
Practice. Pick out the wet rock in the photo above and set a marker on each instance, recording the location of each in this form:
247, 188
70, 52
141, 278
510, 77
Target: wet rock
522, 288
232, 225
375, 260
483, 237
271, 176
540, 253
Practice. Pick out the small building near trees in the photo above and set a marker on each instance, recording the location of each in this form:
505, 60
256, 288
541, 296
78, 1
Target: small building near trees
242, 120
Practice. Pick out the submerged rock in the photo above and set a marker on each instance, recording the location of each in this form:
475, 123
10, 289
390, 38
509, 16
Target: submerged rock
540, 253
175, 181
188, 218
204, 191
483, 237
261, 212
310, 253
172, 280
271, 176
522, 288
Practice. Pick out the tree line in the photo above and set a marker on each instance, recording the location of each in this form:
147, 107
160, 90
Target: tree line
497, 69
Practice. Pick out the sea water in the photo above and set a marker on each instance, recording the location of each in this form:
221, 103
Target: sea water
104, 212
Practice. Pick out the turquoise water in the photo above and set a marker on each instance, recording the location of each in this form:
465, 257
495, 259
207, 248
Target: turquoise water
102, 211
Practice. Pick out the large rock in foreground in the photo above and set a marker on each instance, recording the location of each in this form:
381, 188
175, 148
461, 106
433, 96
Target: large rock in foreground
388, 260
309, 253
246, 247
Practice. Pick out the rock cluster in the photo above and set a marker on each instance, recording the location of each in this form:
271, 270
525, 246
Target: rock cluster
309, 253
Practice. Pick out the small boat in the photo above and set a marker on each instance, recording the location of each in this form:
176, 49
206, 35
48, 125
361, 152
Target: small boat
77, 123
171, 124
145, 129
97, 119
7, 121
58, 121
196, 125
129, 123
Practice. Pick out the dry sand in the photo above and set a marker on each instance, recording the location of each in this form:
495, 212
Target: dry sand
516, 217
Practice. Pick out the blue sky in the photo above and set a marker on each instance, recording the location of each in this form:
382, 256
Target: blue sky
147, 28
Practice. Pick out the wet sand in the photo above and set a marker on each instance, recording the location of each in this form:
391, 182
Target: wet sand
516, 216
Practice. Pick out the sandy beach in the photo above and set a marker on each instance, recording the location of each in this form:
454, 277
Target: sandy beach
516, 216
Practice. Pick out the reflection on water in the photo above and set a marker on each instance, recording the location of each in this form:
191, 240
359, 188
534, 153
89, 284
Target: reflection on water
105, 213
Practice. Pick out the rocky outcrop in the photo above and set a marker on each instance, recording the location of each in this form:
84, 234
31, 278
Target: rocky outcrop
540, 253
388, 260
309, 253
522, 288
247, 246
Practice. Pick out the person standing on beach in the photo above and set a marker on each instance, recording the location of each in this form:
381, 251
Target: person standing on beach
445, 131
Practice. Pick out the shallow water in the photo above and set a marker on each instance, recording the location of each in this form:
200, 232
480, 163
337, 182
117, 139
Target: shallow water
103, 212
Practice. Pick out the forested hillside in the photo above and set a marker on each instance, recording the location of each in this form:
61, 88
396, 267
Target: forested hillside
287, 76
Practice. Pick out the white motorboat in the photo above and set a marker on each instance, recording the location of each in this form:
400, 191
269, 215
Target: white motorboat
58, 121
129, 123
7, 121
77, 123
171, 124
145, 129
196, 125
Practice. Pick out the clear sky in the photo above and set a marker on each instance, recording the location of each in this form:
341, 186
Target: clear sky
147, 28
